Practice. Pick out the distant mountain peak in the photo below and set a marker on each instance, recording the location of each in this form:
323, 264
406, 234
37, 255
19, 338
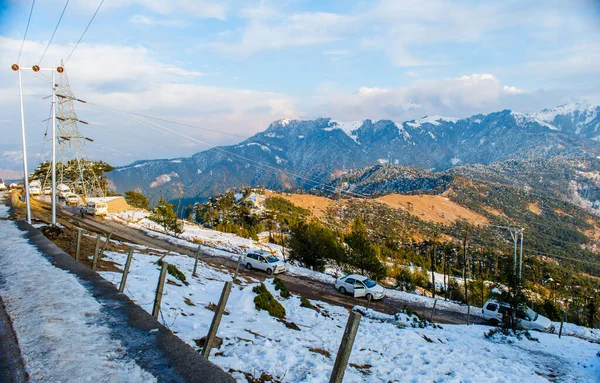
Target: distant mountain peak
433, 120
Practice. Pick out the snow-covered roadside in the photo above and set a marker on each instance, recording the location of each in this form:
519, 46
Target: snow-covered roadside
226, 245
56, 319
570, 329
254, 342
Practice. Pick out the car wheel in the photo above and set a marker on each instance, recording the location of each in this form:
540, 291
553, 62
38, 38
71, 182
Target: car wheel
342, 290
248, 266
269, 271
494, 322
369, 297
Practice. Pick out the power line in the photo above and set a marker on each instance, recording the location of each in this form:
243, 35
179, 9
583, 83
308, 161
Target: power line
83, 34
251, 161
53, 33
26, 29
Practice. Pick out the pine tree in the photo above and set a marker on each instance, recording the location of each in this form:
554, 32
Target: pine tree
362, 254
165, 215
137, 199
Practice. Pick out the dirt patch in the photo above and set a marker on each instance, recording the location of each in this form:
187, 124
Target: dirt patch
365, 369
213, 307
320, 351
432, 208
560, 212
535, 208
316, 205
493, 211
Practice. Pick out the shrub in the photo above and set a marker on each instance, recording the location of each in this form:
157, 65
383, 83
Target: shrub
304, 302
174, 271
280, 286
264, 300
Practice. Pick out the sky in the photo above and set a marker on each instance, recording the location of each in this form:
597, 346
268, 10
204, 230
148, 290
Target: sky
229, 68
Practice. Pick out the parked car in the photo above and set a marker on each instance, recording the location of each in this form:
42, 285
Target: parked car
35, 187
263, 260
359, 286
527, 319
3, 186
71, 199
62, 190
96, 208
47, 190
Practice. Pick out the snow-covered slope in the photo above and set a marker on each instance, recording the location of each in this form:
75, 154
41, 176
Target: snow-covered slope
387, 348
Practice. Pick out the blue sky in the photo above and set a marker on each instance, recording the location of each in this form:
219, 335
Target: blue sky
235, 66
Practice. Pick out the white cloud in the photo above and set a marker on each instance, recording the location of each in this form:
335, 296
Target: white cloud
454, 97
268, 29
216, 9
145, 20
134, 79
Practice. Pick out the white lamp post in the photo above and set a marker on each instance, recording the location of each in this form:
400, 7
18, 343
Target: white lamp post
36, 68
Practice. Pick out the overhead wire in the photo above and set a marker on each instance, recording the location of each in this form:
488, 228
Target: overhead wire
53, 33
84, 32
26, 29
238, 156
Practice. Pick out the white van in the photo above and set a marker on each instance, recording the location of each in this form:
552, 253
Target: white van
96, 208
62, 190
35, 187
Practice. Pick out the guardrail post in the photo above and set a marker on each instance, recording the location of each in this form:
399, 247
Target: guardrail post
562, 319
196, 262
126, 270
343, 354
96, 252
214, 326
237, 269
77, 252
433, 310
159, 289
105, 243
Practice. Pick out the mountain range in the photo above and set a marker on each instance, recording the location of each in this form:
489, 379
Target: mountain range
306, 154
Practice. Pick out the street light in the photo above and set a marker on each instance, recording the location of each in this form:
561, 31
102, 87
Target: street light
36, 68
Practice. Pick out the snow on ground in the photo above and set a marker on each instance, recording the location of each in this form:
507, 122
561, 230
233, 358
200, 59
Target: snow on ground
570, 329
57, 320
4, 211
231, 246
387, 348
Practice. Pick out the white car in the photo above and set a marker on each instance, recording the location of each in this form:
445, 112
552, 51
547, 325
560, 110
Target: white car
263, 260
359, 286
527, 319
72, 199
47, 190
35, 190
3, 186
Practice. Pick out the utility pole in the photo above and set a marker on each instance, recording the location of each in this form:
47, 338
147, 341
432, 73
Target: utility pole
521, 255
16, 68
465, 271
36, 68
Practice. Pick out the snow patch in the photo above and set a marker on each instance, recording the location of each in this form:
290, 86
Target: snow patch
433, 120
58, 323
454, 160
347, 127
163, 179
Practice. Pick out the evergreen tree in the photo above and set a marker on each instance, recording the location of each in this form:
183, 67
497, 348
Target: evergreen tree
312, 244
362, 254
165, 215
137, 199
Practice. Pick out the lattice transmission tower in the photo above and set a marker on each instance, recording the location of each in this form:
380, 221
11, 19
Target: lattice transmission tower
73, 168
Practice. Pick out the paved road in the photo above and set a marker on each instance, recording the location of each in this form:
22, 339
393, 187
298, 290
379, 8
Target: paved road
300, 285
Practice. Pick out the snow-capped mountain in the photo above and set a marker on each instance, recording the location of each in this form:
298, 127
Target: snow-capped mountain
305, 153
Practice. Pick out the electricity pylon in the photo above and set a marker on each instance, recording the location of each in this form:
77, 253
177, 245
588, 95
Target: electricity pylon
74, 169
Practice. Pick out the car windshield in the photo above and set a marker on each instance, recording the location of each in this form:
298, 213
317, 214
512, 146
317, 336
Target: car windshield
531, 314
272, 259
369, 283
